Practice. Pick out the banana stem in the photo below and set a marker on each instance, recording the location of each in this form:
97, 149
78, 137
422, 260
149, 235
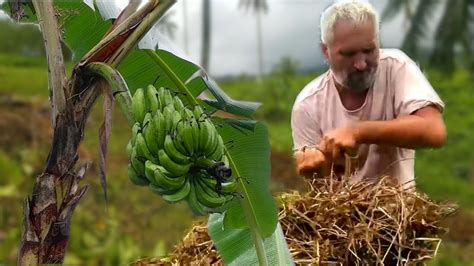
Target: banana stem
117, 84
176, 80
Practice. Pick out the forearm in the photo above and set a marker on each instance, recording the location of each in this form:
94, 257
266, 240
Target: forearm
410, 131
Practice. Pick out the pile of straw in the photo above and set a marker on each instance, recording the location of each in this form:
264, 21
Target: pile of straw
339, 223
336, 222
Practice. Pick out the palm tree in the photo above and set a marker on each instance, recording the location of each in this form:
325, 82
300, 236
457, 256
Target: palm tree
453, 34
259, 7
206, 34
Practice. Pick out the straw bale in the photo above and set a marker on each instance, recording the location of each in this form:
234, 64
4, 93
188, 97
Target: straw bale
337, 223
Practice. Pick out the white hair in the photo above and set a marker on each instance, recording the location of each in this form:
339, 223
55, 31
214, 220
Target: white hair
354, 10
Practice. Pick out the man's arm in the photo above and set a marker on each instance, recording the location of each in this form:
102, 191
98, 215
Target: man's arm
421, 129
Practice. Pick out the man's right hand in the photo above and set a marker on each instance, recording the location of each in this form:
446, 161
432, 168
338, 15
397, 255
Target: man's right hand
310, 161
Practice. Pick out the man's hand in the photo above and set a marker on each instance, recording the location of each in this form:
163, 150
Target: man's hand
337, 141
310, 161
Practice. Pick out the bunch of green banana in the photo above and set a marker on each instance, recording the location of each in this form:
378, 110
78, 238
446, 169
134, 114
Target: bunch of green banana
177, 152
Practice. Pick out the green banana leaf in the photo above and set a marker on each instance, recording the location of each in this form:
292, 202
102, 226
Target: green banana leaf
236, 248
250, 152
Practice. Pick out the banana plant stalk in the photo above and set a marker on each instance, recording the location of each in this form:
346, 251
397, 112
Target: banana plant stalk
56, 192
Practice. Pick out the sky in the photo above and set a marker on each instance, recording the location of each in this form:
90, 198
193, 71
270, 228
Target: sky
290, 28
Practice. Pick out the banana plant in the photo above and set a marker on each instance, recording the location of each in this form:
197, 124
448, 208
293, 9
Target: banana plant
108, 62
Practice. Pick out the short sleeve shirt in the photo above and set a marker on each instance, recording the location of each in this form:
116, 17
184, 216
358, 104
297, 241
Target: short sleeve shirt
400, 88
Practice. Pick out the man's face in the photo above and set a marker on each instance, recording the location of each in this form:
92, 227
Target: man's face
353, 54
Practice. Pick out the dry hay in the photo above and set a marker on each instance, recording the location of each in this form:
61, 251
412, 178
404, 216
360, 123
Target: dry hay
336, 223
195, 249
362, 223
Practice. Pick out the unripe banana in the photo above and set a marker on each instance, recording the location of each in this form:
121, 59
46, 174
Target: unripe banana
173, 168
193, 203
219, 151
228, 187
198, 112
161, 178
168, 117
184, 131
164, 97
137, 163
204, 136
142, 148
151, 97
139, 105
207, 196
129, 149
159, 127
178, 104
135, 130
195, 133
178, 143
211, 143
180, 194
136, 179
159, 190
150, 135
173, 153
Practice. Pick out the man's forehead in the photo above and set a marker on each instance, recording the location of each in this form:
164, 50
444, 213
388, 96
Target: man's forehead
348, 33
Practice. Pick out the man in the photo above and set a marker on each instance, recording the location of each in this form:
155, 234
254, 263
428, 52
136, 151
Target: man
371, 101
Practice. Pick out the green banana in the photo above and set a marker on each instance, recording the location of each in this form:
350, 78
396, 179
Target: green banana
163, 179
159, 129
149, 133
136, 179
184, 131
168, 117
159, 190
139, 105
136, 128
178, 143
178, 104
207, 196
137, 163
195, 133
198, 111
176, 117
150, 171
204, 135
180, 194
142, 148
173, 153
160, 177
211, 143
129, 149
151, 97
219, 151
164, 97
193, 203
226, 187
173, 168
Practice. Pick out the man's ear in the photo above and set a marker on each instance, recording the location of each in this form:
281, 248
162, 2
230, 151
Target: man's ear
325, 50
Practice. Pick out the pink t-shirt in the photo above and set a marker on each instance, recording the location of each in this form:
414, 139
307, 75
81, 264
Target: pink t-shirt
400, 88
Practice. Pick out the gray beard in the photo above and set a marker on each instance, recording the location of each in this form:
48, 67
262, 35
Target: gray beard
359, 81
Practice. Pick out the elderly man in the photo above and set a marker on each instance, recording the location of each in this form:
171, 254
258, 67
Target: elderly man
374, 102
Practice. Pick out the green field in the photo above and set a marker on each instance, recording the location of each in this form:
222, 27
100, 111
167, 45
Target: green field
136, 224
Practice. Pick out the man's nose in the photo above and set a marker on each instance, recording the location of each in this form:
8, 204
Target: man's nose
360, 63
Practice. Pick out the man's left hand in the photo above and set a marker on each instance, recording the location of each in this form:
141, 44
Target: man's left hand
337, 141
